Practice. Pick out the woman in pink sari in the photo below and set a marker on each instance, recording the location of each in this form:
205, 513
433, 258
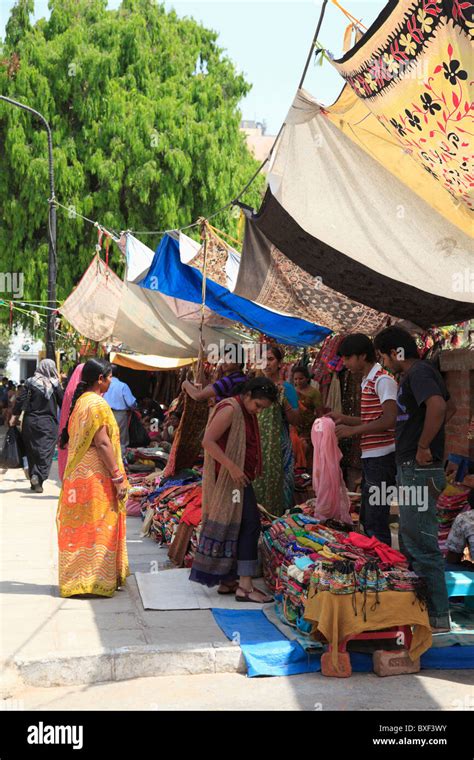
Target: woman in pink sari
74, 381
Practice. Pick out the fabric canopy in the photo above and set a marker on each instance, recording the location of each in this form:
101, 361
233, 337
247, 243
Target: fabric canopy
338, 214
93, 305
270, 278
139, 259
170, 276
148, 362
102, 307
412, 72
353, 199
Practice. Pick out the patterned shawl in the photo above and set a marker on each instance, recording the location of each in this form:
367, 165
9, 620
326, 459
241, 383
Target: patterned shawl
222, 503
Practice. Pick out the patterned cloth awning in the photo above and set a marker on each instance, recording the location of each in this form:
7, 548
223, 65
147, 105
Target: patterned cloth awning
103, 307
355, 199
412, 73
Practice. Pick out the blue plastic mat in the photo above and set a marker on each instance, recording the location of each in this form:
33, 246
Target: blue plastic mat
266, 650
447, 658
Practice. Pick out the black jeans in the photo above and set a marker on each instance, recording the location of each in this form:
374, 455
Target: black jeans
380, 475
250, 528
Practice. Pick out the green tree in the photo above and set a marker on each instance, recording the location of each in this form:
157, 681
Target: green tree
4, 347
144, 108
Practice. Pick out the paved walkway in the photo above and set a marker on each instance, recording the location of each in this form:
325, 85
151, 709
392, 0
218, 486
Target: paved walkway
54, 641
88, 646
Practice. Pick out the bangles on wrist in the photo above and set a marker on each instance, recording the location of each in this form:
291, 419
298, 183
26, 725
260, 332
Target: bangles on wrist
118, 480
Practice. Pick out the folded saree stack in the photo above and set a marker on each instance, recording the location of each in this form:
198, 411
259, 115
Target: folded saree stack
173, 502
451, 502
301, 553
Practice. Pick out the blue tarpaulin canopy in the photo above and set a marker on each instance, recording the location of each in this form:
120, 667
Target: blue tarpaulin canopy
170, 276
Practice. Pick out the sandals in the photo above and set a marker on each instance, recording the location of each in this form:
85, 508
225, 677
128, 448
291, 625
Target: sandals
246, 597
231, 588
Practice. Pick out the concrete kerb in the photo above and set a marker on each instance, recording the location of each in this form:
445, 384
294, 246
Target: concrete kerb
126, 663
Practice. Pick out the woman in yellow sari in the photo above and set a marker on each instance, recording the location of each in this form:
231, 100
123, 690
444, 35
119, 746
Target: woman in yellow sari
91, 518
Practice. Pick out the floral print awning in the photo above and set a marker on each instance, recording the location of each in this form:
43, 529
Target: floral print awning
413, 71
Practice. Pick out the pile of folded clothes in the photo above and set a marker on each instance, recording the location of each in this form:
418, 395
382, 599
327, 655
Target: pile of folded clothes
140, 487
300, 552
146, 459
174, 500
451, 502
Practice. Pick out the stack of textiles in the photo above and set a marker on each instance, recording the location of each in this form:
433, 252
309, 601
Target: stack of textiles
141, 484
301, 553
175, 500
451, 502
153, 455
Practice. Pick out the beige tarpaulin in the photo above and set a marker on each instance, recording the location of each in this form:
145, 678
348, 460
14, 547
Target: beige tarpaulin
148, 362
102, 307
352, 117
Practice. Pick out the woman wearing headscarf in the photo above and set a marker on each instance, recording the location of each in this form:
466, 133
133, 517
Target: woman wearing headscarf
40, 400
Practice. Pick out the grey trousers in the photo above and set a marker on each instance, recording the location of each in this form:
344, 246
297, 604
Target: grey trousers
122, 417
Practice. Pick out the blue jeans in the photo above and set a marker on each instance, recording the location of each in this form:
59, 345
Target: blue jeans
375, 511
419, 532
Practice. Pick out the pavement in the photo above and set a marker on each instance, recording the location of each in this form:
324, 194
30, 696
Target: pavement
113, 654
50, 641
433, 691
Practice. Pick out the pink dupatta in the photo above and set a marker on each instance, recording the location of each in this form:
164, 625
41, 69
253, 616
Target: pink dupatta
74, 381
332, 499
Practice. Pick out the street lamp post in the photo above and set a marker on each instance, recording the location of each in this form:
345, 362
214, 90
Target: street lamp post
52, 261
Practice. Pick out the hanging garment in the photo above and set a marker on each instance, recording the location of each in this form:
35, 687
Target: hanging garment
334, 399
187, 441
332, 499
274, 489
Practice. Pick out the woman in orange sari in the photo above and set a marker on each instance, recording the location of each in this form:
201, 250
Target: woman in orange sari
91, 513
310, 406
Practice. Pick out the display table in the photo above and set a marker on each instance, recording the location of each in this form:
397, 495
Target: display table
334, 616
459, 582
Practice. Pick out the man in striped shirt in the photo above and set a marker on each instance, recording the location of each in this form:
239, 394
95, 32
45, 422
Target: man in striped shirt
232, 377
376, 426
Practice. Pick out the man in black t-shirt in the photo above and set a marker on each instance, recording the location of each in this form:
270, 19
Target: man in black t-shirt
423, 407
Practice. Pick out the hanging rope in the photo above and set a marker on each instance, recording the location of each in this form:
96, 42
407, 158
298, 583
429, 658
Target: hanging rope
71, 210
311, 50
348, 15
217, 233
200, 362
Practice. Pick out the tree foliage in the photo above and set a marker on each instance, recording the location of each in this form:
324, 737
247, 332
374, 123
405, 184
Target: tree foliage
144, 111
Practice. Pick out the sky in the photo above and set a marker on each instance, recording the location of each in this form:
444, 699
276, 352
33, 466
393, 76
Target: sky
268, 41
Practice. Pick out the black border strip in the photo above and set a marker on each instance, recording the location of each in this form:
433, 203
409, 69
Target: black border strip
356, 281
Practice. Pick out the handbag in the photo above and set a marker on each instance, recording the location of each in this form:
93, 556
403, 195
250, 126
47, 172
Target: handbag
13, 450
